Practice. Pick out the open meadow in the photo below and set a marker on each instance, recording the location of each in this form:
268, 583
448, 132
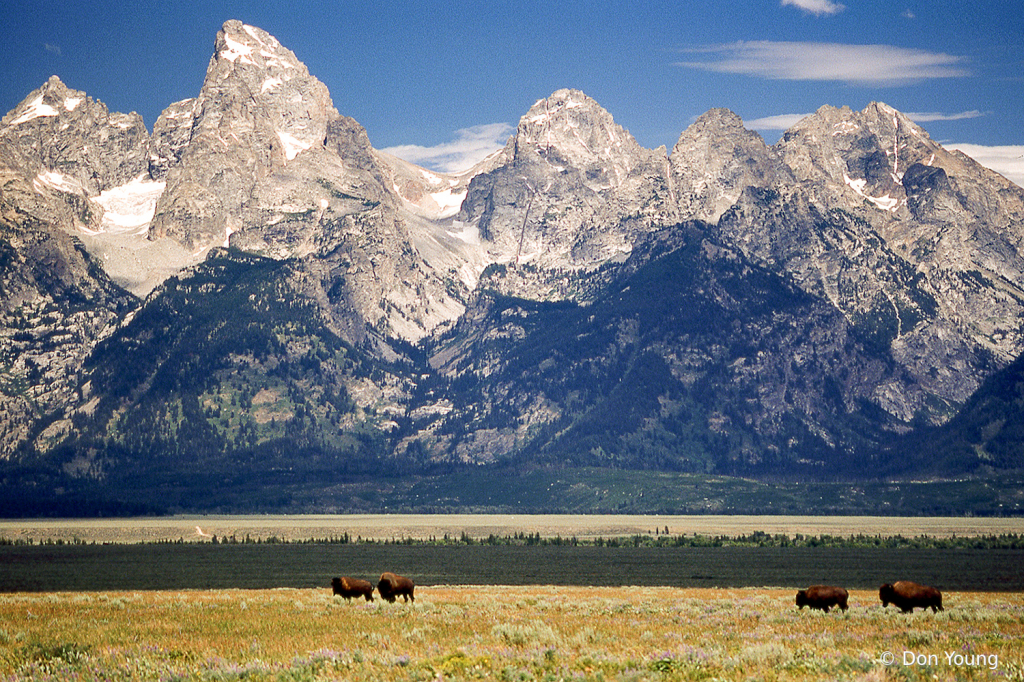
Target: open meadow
505, 633
160, 599
290, 527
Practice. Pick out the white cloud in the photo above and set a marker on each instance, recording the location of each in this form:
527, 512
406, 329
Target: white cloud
470, 146
856, 64
926, 116
777, 122
817, 7
1007, 160
787, 121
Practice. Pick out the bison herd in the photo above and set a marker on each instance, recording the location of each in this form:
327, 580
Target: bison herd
904, 594
390, 586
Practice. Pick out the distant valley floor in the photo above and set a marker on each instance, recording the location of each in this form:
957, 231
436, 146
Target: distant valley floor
206, 566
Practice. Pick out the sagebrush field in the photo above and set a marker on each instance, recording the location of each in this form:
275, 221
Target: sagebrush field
505, 633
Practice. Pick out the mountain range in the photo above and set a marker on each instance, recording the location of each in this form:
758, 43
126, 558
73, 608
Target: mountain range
251, 308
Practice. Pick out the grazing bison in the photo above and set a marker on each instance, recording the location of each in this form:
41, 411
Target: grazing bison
353, 587
822, 597
907, 595
391, 586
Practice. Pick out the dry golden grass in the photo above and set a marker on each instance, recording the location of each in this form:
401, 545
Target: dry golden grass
424, 526
506, 633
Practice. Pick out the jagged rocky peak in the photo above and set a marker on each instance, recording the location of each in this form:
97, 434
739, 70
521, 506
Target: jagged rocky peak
864, 153
888, 169
715, 159
880, 164
260, 167
571, 128
297, 105
58, 149
571, 189
71, 143
45, 102
261, 161
919, 247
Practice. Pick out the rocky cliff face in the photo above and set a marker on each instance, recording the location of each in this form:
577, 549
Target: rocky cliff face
893, 231
72, 164
572, 190
730, 307
58, 149
70, 148
691, 358
715, 160
171, 134
261, 161
56, 304
258, 110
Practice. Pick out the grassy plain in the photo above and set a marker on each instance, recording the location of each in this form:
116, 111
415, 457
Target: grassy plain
505, 633
292, 527
75, 568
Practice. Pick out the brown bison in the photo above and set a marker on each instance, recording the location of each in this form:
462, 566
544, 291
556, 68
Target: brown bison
907, 595
822, 597
391, 586
353, 587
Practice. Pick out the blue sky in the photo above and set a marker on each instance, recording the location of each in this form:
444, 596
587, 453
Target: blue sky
447, 80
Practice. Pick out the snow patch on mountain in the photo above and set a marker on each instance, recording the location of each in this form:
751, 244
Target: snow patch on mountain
35, 109
292, 144
57, 181
448, 202
270, 84
236, 51
886, 203
130, 207
470, 234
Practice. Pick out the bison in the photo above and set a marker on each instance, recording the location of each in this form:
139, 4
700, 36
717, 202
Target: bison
907, 595
391, 586
353, 587
822, 597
